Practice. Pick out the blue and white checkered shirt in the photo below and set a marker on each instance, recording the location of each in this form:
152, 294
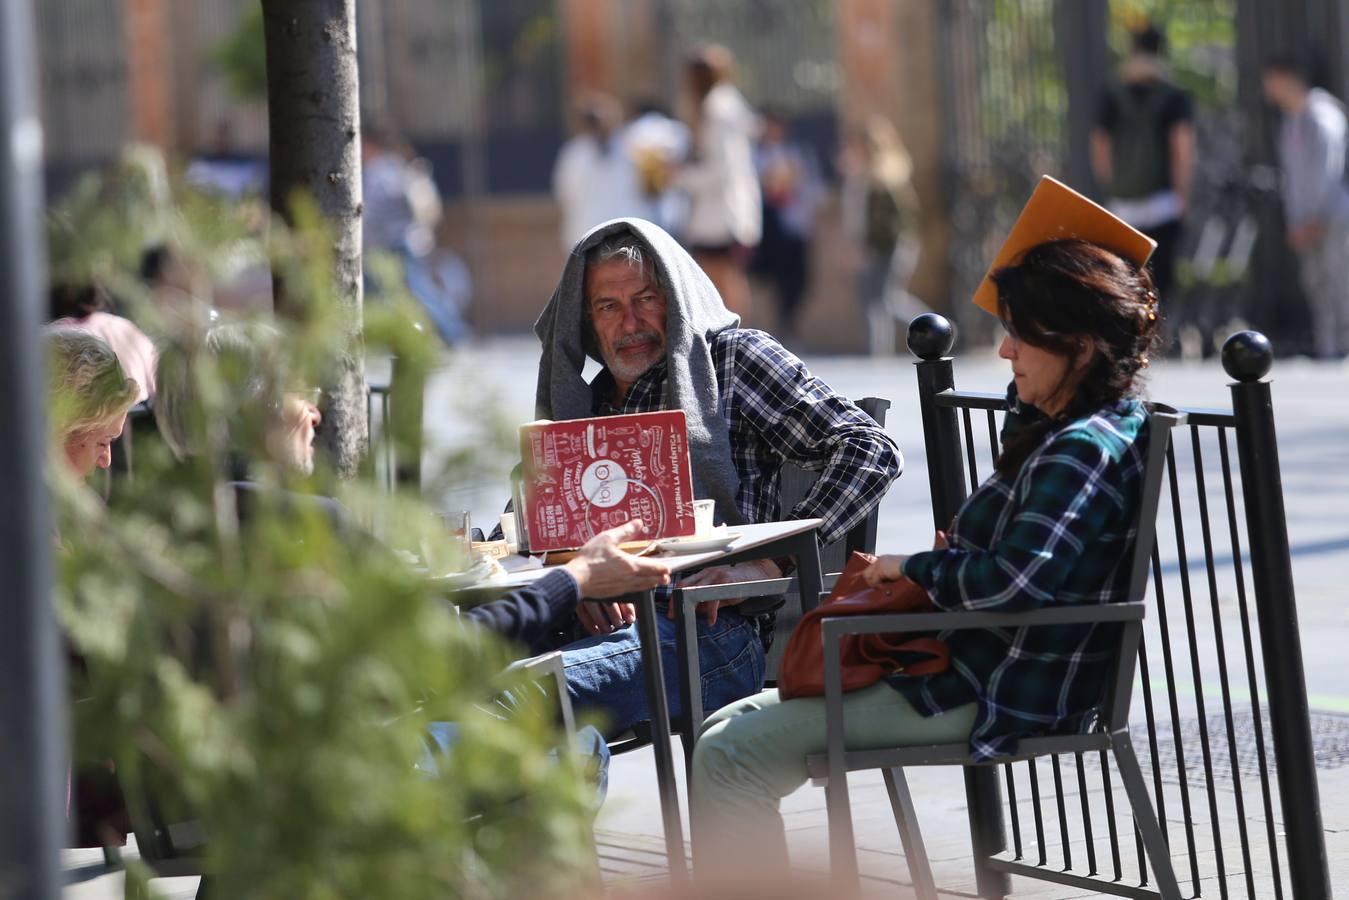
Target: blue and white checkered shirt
779, 413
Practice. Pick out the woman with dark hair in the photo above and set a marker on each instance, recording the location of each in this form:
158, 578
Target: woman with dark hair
1053, 526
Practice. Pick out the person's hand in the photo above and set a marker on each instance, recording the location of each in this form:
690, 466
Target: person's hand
599, 617
885, 568
758, 570
940, 542
602, 569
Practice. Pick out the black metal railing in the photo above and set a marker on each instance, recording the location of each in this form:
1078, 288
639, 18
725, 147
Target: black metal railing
1230, 766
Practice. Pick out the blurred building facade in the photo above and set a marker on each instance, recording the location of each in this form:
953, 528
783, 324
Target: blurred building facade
987, 94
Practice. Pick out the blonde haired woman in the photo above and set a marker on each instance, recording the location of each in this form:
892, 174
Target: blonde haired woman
89, 396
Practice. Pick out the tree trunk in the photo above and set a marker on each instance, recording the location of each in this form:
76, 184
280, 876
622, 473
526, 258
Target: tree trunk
313, 112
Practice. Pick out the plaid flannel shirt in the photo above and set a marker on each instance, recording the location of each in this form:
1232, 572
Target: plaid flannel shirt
1060, 533
777, 413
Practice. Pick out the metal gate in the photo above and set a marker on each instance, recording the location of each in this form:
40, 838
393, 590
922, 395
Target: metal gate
1006, 104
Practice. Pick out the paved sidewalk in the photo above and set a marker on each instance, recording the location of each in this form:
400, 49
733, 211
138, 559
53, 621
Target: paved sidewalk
632, 849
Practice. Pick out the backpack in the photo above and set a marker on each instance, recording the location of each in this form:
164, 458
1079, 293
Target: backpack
1139, 151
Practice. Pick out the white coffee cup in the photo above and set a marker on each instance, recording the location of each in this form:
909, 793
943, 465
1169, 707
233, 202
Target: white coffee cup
508, 528
704, 516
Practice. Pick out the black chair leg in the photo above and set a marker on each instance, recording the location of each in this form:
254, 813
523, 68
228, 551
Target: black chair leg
1154, 842
910, 835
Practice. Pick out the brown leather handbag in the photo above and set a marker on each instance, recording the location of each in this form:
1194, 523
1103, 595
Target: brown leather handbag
865, 658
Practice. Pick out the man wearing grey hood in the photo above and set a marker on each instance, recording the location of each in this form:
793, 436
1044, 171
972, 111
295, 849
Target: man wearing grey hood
633, 299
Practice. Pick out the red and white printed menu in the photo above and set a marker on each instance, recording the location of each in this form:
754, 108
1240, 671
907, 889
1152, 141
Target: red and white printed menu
583, 476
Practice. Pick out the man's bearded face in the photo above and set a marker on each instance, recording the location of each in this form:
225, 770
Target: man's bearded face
627, 311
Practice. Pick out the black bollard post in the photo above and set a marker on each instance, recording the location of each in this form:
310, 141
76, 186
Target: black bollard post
931, 338
1248, 357
32, 702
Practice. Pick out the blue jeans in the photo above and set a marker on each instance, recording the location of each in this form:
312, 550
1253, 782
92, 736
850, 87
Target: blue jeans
589, 744
604, 673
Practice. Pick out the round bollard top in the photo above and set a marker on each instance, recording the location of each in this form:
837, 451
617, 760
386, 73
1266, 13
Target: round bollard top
931, 336
1248, 356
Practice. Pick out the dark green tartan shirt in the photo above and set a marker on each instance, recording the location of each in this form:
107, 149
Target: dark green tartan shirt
1060, 533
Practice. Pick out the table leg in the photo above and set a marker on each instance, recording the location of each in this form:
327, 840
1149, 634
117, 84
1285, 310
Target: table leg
649, 635
690, 685
809, 579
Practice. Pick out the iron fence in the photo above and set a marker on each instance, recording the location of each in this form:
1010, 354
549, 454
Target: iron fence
1006, 102
1223, 716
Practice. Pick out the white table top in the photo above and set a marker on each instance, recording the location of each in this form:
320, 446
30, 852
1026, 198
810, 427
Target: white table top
751, 536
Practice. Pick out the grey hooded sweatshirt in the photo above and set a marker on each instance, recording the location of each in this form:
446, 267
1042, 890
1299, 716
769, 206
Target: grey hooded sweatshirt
695, 315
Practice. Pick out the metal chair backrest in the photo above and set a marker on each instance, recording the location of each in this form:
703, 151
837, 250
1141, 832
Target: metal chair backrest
796, 483
1119, 692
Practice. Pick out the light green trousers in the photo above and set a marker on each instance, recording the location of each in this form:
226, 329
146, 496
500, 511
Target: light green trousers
753, 753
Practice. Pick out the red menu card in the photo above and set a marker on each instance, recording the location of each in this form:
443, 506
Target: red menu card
586, 475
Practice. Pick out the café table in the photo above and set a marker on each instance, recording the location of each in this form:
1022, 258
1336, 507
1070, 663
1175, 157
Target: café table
768, 540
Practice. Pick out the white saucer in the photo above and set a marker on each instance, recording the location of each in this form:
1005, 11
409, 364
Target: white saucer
695, 543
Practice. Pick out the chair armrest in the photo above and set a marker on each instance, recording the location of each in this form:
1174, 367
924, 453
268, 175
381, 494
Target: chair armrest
542, 668
837, 626
769, 587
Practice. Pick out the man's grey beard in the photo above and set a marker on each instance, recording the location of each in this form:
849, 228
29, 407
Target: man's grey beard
632, 371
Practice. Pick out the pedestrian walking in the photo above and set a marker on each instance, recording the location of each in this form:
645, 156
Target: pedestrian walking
1142, 150
1312, 139
789, 179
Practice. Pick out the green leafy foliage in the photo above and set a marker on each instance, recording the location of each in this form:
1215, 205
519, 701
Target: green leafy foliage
271, 676
1200, 35
242, 56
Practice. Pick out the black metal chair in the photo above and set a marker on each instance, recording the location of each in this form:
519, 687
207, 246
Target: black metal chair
1110, 732
767, 596
400, 399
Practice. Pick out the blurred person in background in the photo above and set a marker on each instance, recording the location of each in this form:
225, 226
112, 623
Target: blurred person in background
88, 397
725, 220
87, 307
179, 288
880, 216
658, 144
1142, 150
595, 178
789, 179
402, 207
1312, 142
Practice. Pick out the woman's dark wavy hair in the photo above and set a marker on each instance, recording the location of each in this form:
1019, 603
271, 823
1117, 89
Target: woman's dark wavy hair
1061, 292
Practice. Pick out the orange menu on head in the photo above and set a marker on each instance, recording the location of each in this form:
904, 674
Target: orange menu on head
1056, 212
583, 476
